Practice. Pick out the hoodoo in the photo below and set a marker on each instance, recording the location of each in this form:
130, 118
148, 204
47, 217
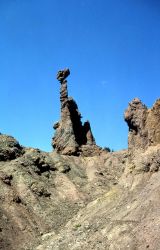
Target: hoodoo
71, 136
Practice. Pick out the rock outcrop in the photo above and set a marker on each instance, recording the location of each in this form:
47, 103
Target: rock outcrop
59, 201
72, 137
144, 125
9, 148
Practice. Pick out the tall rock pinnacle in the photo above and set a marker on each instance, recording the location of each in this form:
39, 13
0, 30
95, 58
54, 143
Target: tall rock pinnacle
71, 136
61, 77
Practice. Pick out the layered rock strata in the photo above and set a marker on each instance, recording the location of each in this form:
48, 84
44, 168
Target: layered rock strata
71, 136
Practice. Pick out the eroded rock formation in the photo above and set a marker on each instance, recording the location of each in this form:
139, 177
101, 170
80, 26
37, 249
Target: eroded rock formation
144, 125
72, 137
109, 201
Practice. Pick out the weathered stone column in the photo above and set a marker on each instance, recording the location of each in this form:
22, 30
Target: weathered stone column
61, 77
71, 137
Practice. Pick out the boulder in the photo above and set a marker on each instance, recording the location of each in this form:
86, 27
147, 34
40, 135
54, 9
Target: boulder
9, 148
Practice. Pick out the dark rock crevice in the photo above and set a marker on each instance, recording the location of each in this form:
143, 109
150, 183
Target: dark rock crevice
76, 121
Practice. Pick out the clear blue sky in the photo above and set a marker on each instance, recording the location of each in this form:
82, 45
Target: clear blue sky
112, 48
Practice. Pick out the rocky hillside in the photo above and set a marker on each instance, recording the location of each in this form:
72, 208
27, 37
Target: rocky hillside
80, 196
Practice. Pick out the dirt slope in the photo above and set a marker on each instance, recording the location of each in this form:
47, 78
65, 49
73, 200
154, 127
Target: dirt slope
41, 192
125, 217
50, 201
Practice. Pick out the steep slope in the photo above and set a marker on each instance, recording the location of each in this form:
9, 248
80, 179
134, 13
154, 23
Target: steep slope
125, 217
40, 192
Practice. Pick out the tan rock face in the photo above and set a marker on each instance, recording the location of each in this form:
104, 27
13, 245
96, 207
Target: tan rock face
153, 124
144, 125
71, 135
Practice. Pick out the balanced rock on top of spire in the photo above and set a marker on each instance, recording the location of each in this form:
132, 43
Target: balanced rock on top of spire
71, 136
63, 74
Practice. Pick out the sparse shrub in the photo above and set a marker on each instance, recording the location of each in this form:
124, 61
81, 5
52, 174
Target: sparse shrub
108, 149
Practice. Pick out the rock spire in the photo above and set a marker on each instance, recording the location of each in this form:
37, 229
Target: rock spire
71, 136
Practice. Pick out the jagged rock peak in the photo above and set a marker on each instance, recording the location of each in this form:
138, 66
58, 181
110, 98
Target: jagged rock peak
71, 136
143, 123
